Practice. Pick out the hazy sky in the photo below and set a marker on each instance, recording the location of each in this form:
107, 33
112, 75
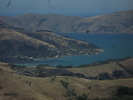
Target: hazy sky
64, 7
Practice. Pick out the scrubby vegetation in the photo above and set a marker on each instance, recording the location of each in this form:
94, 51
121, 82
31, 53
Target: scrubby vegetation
82, 97
121, 91
55, 83
10, 94
60, 70
16, 67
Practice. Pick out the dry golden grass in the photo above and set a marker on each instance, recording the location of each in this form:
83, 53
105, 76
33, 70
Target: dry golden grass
13, 83
5, 67
95, 70
43, 89
6, 34
63, 41
128, 64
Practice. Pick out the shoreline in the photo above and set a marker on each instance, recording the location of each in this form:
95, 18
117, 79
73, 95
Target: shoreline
56, 57
75, 66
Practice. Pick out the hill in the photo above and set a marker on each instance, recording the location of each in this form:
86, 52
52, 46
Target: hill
118, 22
106, 71
127, 65
18, 87
18, 45
34, 22
96, 70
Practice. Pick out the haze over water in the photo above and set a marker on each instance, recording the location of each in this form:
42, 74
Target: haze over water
63, 7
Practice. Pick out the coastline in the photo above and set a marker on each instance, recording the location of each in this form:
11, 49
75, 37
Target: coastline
56, 57
42, 61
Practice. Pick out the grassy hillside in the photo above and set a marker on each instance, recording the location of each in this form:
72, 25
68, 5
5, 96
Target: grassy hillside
96, 70
16, 44
14, 87
127, 65
8, 34
18, 87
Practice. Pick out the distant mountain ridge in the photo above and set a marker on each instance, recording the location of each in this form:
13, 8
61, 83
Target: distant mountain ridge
35, 22
118, 22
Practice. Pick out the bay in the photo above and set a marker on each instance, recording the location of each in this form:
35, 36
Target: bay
115, 46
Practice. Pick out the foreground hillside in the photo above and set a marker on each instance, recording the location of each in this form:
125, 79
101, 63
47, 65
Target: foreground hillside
18, 45
118, 22
19, 87
14, 86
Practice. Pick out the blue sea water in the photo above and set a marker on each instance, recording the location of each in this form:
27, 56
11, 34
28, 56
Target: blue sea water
115, 46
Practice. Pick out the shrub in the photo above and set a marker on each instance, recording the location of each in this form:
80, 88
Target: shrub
1, 87
64, 84
124, 91
83, 97
14, 67
104, 76
118, 73
10, 94
1, 70
71, 93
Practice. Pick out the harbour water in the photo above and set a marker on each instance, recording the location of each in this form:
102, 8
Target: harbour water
115, 46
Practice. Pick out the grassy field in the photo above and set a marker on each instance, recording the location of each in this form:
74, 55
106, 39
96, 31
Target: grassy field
19, 87
128, 65
95, 70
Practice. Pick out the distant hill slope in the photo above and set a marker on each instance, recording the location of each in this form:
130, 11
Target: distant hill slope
34, 22
18, 44
119, 22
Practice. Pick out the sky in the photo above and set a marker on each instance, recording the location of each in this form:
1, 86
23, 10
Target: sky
64, 7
